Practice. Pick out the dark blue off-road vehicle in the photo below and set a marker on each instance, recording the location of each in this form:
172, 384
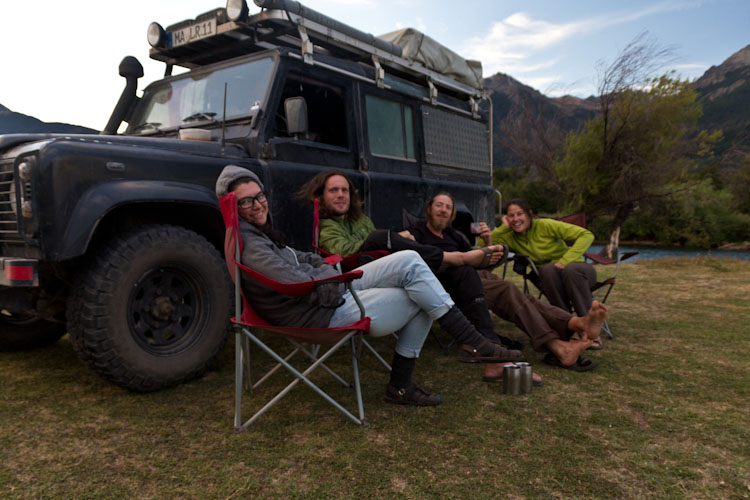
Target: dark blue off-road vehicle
116, 238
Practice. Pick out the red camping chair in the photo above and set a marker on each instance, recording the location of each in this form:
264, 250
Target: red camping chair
249, 325
524, 266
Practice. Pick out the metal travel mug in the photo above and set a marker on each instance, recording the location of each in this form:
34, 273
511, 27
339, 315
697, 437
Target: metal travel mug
512, 380
526, 372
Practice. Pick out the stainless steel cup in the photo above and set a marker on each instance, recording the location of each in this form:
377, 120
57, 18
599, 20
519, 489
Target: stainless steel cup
526, 379
512, 380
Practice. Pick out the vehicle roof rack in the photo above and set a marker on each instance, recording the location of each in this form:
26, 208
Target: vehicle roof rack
297, 27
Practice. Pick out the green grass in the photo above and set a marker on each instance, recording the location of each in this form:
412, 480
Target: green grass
666, 415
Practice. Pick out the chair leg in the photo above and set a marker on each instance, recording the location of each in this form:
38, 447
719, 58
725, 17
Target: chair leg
313, 355
298, 377
442, 344
375, 353
247, 365
238, 379
605, 327
269, 372
356, 347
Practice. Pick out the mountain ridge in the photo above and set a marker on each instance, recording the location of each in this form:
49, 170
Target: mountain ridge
522, 114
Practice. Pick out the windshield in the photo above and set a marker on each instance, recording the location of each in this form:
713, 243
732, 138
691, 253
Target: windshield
199, 96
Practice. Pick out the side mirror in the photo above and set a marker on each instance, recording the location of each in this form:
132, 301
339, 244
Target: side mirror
295, 111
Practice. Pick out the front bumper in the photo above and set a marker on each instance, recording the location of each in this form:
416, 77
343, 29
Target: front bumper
19, 272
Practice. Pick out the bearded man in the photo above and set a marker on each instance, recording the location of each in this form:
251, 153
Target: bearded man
476, 292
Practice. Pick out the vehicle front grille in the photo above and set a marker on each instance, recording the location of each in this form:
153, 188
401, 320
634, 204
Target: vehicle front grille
8, 217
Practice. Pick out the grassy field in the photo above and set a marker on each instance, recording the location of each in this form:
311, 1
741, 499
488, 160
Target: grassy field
666, 415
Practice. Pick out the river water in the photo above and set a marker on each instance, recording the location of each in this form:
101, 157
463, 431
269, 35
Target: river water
650, 252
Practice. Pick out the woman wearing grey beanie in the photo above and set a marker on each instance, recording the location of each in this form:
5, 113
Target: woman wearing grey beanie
400, 293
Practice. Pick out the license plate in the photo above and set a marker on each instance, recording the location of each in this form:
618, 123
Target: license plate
197, 31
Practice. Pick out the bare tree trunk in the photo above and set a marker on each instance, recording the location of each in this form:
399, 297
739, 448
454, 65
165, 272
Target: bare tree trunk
614, 243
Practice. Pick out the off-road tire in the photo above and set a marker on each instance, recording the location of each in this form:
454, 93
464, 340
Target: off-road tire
19, 332
152, 310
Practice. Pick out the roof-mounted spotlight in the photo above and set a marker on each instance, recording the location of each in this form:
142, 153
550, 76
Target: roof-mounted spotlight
157, 37
237, 10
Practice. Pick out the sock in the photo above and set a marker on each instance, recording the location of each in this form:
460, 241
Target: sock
477, 313
456, 324
401, 370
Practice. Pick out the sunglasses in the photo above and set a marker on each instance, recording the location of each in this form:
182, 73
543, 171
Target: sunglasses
249, 201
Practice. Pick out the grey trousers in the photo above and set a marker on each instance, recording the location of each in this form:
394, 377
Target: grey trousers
569, 286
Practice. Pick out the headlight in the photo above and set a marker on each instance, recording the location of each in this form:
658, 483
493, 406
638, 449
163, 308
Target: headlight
236, 10
24, 171
156, 35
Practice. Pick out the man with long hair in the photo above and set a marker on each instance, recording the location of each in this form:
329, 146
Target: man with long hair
345, 229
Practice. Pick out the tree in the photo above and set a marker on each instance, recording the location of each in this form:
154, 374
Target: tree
642, 142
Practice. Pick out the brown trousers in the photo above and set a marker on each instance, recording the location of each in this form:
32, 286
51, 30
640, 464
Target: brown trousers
542, 322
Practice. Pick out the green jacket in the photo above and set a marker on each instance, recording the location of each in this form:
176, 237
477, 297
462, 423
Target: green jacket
544, 242
344, 237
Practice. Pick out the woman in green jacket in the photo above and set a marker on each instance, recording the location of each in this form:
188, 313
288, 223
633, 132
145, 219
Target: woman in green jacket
564, 277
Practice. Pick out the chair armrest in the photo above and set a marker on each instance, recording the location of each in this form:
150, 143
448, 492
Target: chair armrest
301, 288
333, 259
600, 259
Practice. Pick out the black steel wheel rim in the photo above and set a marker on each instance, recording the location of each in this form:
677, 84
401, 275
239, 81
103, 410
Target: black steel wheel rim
166, 310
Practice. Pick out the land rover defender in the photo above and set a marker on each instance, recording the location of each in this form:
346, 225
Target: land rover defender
115, 238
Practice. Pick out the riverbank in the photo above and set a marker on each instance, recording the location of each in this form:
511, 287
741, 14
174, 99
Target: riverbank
650, 252
734, 247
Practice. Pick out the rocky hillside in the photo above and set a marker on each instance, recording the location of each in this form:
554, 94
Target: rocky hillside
12, 122
725, 92
524, 115
526, 122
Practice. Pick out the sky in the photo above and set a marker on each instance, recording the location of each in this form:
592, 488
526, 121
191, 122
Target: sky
60, 58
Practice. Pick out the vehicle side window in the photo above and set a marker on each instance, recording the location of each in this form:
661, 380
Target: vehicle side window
326, 110
390, 128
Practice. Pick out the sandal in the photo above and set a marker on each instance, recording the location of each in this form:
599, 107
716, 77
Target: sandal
500, 353
597, 345
485, 264
411, 395
581, 365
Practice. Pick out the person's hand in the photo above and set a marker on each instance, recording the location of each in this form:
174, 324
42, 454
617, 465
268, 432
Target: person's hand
485, 233
559, 265
505, 221
329, 295
407, 235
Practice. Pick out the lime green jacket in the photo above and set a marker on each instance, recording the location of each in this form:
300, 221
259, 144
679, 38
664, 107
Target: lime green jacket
544, 242
344, 237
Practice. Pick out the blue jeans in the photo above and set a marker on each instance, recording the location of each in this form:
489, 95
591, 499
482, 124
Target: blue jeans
400, 295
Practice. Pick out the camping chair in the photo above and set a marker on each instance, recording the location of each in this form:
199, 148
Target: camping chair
524, 266
249, 325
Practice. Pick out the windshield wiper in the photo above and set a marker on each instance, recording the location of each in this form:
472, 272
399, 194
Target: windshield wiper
151, 125
200, 116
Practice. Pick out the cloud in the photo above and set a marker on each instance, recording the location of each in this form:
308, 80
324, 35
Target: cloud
354, 3
510, 43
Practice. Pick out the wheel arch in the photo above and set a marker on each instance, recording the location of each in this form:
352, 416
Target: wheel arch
117, 207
